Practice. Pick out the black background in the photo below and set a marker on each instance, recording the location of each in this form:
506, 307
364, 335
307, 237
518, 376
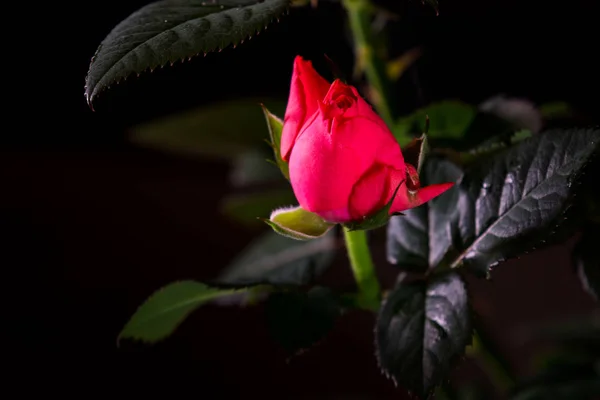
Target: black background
91, 225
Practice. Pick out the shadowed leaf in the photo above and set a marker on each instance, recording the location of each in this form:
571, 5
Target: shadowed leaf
223, 130
168, 307
421, 329
171, 30
512, 202
299, 320
277, 260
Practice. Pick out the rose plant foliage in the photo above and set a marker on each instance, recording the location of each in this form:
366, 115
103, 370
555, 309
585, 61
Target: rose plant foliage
457, 188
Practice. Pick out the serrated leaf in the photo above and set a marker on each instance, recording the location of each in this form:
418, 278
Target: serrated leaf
222, 130
510, 203
422, 327
244, 207
168, 307
277, 260
275, 126
171, 30
298, 320
418, 240
586, 257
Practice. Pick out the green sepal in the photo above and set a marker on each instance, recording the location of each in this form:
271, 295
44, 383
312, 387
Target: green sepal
297, 223
275, 125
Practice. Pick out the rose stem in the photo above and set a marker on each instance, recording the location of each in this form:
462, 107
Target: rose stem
359, 15
369, 292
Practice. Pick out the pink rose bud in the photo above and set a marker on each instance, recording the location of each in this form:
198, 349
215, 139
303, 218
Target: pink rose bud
344, 163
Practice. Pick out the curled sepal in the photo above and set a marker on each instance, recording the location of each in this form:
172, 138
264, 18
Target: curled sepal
297, 223
416, 151
376, 220
275, 125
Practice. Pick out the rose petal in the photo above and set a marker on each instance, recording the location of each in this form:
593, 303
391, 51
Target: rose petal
307, 88
371, 193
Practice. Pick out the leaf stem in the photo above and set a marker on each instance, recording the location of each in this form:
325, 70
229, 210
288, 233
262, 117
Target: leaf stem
493, 366
360, 13
369, 291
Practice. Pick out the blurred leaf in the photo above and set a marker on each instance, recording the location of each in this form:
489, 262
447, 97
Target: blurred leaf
277, 260
252, 168
489, 148
246, 207
275, 126
418, 240
167, 31
463, 126
448, 119
586, 258
572, 371
297, 223
562, 380
556, 109
422, 327
520, 113
516, 199
221, 130
397, 67
168, 307
299, 320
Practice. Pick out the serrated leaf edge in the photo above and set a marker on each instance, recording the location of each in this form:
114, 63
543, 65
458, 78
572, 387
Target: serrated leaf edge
95, 94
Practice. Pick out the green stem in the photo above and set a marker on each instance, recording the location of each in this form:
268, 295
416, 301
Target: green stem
369, 292
493, 366
360, 13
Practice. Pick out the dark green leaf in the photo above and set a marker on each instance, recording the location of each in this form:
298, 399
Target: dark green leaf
421, 329
586, 257
166, 309
297, 223
221, 130
244, 207
512, 202
275, 126
419, 239
277, 260
171, 30
299, 320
